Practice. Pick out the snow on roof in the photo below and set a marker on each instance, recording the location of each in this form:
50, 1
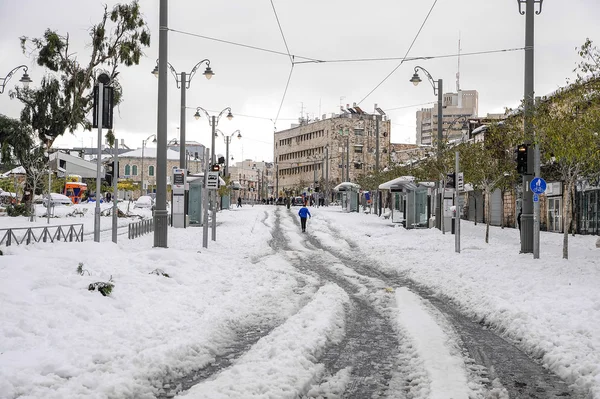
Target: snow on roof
345, 186
149, 153
19, 170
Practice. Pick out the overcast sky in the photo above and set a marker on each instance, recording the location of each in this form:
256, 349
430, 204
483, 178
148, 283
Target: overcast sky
252, 82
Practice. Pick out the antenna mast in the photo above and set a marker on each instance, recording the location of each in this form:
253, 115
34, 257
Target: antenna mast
458, 70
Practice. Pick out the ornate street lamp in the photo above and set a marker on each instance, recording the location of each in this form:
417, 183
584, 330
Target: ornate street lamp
25, 79
183, 81
415, 80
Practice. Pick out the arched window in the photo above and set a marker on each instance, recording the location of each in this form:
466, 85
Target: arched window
127, 170
134, 170
151, 170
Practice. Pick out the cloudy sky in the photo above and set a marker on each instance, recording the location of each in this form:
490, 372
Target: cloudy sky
252, 82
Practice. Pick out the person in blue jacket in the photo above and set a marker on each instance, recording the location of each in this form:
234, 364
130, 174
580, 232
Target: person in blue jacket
303, 213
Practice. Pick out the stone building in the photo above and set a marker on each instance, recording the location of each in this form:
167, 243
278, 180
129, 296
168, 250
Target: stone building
131, 165
339, 148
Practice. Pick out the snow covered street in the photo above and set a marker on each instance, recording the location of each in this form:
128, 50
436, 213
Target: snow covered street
355, 306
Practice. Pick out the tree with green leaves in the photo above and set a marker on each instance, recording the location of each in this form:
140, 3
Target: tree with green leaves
567, 124
488, 165
65, 95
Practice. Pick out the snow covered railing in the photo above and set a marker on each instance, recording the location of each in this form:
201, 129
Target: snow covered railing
28, 235
137, 229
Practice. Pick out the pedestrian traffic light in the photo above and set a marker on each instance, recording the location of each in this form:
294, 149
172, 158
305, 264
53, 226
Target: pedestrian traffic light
215, 167
109, 173
522, 158
451, 180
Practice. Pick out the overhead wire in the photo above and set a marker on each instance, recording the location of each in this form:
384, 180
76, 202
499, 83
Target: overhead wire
287, 84
406, 55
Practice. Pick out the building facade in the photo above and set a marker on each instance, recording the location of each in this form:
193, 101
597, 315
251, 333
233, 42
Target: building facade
335, 149
464, 103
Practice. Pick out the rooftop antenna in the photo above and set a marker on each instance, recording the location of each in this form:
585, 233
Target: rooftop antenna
458, 70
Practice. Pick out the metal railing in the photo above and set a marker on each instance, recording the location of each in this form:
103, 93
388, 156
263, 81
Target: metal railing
137, 229
27, 235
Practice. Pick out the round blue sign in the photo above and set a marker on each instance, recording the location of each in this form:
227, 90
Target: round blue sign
538, 185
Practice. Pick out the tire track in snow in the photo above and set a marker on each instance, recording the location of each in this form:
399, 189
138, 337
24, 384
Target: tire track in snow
499, 363
366, 359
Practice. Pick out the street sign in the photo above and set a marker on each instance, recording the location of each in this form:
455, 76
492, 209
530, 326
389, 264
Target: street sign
460, 183
212, 181
536, 198
538, 185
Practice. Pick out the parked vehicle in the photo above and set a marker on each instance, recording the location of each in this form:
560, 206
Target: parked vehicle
57, 199
145, 201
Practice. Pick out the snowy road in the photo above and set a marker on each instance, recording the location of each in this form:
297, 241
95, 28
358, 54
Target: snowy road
399, 340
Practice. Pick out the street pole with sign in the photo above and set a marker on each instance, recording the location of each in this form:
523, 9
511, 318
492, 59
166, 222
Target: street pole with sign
205, 199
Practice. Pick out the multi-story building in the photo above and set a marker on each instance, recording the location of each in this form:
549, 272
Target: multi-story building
335, 149
464, 103
194, 154
253, 179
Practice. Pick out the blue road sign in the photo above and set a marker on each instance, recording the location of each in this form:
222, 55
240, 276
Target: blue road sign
538, 185
536, 198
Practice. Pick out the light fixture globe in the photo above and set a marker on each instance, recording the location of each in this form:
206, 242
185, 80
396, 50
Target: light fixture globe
208, 73
155, 71
25, 79
239, 136
197, 115
415, 79
229, 115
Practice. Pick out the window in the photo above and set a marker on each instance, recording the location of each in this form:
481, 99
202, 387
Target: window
358, 149
134, 170
359, 132
127, 170
357, 165
151, 170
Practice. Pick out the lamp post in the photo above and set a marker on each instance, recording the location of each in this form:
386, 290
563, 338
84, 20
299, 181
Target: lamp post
143, 146
25, 79
527, 222
440, 122
436, 91
213, 122
183, 81
227, 139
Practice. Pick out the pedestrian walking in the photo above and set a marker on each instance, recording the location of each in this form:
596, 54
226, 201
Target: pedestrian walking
303, 213
239, 202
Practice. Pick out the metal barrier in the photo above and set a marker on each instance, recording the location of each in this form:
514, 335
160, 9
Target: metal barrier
137, 229
10, 236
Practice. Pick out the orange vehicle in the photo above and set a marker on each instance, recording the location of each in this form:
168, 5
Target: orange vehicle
74, 189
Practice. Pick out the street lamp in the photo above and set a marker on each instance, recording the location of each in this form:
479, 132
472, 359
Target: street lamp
439, 91
183, 81
213, 122
25, 79
227, 139
153, 136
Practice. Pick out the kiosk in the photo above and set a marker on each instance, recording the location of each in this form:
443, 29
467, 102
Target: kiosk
178, 207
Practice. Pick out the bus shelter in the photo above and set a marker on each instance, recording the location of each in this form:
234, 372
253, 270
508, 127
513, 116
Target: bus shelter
347, 194
195, 206
411, 201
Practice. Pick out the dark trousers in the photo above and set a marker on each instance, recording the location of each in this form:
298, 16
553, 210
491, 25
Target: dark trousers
303, 223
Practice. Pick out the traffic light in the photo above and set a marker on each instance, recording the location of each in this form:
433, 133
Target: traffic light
451, 180
215, 167
109, 173
522, 158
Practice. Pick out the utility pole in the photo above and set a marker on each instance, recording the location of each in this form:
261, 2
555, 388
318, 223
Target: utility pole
205, 200
115, 212
527, 232
327, 175
457, 204
348, 156
161, 215
536, 204
98, 163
